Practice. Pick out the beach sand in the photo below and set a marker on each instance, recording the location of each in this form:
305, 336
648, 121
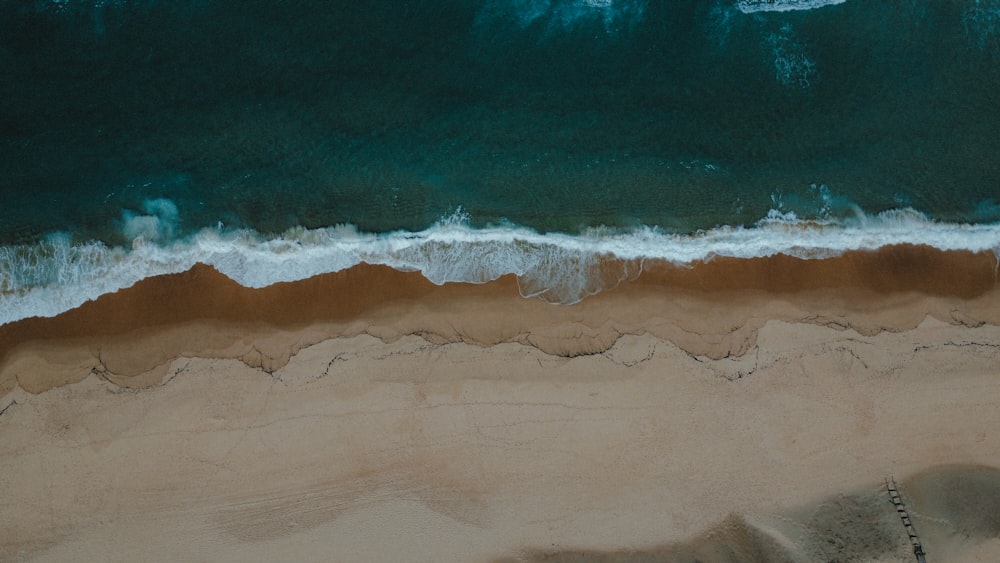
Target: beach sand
735, 410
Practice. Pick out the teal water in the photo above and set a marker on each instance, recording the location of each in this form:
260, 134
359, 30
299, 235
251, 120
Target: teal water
126, 119
554, 114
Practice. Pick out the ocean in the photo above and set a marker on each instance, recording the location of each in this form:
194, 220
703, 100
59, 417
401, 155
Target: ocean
469, 139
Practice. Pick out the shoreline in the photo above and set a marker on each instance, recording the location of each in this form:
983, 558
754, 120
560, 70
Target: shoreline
708, 309
726, 411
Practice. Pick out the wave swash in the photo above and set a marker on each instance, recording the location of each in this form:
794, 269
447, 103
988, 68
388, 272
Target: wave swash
58, 274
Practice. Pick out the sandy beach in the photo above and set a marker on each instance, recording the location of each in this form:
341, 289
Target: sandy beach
733, 410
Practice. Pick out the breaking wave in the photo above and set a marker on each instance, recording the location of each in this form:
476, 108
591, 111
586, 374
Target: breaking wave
58, 274
751, 6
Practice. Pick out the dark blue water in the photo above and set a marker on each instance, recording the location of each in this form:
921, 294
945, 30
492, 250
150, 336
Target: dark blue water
555, 114
125, 122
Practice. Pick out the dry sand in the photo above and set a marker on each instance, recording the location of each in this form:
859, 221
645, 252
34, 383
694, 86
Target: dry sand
733, 411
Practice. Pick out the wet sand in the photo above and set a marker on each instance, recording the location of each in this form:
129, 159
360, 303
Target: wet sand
729, 411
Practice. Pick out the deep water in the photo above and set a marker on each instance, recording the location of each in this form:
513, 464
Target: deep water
552, 114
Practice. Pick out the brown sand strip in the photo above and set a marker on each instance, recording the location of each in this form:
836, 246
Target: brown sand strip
711, 309
892, 269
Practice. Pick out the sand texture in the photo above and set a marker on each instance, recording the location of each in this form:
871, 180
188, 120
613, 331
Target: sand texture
732, 411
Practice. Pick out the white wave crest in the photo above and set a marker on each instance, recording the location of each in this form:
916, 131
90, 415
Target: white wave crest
56, 275
565, 14
751, 6
158, 224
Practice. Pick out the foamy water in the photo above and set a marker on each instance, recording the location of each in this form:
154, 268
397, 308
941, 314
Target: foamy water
57, 274
751, 6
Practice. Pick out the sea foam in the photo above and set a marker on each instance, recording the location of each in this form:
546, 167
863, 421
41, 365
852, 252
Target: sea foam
751, 6
564, 15
57, 274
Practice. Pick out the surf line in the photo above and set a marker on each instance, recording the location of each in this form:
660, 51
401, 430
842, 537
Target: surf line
897, 501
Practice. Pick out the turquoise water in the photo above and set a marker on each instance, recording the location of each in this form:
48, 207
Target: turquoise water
161, 121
